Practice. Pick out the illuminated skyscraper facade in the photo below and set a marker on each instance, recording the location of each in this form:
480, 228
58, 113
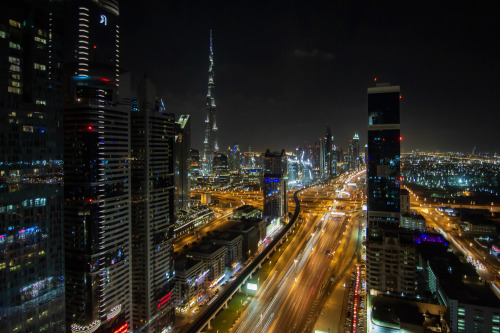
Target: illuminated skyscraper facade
210, 145
182, 161
353, 153
275, 184
383, 170
97, 224
31, 193
391, 254
152, 133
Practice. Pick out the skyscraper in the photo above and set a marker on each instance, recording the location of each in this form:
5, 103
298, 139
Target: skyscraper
31, 194
152, 133
210, 145
383, 171
391, 254
353, 153
182, 161
97, 224
275, 184
326, 154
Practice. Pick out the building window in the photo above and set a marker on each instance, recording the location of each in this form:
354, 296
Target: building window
39, 66
28, 129
14, 68
3, 34
14, 60
15, 46
14, 90
15, 24
40, 40
41, 102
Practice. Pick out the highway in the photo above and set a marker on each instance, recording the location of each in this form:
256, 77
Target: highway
297, 288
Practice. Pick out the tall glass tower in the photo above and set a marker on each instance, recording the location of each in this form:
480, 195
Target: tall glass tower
31, 194
97, 223
210, 145
383, 170
152, 132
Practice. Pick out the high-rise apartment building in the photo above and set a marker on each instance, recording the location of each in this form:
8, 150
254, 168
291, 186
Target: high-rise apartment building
383, 171
97, 225
182, 162
210, 145
152, 134
31, 193
275, 184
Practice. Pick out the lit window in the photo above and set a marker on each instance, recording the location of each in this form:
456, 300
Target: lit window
3, 34
28, 129
14, 60
41, 102
13, 45
40, 40
39, 66
15, 24
14, 90
14, 68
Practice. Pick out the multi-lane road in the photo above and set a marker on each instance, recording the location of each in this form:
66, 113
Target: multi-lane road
308, 271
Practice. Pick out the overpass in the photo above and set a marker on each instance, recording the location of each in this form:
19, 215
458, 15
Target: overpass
222, 300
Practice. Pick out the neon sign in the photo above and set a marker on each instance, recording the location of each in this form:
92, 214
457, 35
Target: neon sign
104, 19
165, 299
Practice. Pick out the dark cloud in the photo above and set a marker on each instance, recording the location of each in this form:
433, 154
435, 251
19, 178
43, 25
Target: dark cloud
314, 54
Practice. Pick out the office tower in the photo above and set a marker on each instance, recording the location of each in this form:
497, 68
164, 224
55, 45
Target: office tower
335, 159
220, 164
293, 170
31, 193
152, 182
275, 184
97, 223
182, 162
210, 143
326, 154
194, 163
353, 153
234, 158
383, 172
391, 254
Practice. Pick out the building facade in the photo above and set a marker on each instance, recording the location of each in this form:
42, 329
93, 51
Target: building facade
275, 184
210, 145
182, 162
97, 223
152, 182
383, 170
31, 192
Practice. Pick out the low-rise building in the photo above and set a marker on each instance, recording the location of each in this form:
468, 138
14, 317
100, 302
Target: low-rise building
259, 224
246, 212
250, 236
479, 226
214, 257
234, 246
413, 221
473, 306
190, 276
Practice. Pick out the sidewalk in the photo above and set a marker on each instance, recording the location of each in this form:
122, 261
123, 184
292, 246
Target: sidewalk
332, 316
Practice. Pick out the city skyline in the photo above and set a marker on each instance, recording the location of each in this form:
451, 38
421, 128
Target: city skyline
124, 209
315, 64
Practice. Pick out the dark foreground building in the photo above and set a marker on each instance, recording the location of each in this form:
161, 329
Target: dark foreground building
31, 195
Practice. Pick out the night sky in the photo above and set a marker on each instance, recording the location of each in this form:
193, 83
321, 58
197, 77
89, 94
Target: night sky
285, 69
